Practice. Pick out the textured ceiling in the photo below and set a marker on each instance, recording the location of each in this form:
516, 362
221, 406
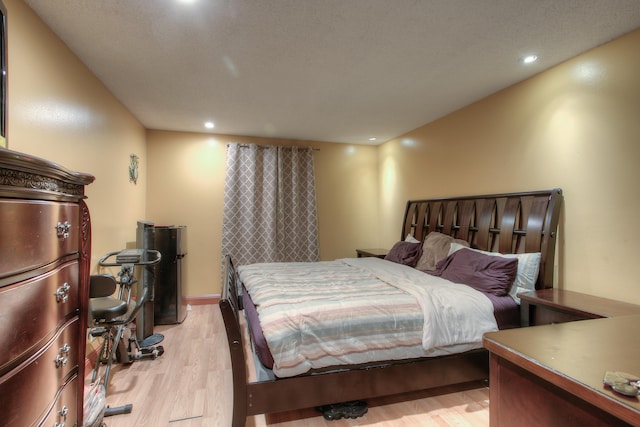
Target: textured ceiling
324, 70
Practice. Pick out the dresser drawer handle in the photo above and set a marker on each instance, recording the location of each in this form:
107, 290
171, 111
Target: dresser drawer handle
63, 356
62, 413
62, 294
62, 229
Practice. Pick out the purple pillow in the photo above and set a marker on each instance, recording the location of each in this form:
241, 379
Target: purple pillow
406, 253
485, 273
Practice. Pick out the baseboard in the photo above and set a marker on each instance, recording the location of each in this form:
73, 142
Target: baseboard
203, 299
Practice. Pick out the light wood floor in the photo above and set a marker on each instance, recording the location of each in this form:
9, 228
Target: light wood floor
190, 386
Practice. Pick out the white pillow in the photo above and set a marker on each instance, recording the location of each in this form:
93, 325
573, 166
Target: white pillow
528, 269
411, 239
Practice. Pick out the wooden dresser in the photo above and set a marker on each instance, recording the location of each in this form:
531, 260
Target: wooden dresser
45, 244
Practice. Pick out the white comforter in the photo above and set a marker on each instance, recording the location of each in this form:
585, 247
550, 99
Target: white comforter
453, 313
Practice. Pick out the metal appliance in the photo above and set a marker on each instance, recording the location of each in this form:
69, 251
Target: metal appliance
170, 306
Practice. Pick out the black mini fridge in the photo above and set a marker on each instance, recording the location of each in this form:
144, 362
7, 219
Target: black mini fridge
169, 305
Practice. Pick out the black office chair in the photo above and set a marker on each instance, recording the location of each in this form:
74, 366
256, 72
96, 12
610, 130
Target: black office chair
111, 315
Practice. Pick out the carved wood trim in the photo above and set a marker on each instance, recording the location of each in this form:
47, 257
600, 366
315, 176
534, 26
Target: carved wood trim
29, 177
13, 178
83, 286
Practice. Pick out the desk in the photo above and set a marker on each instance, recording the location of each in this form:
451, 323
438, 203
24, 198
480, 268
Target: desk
552, 375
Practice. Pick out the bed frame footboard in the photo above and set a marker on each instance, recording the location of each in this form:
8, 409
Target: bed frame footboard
230, 306
252, 398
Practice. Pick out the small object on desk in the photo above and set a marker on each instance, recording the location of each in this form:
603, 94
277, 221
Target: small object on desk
625, 389
377, 252
622, 382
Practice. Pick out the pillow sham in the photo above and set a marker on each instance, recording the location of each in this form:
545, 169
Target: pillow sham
485, 273
407, 253
436, 247
411, 239
528, 269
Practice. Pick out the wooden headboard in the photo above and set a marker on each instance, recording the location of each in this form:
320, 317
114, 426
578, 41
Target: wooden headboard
506, 223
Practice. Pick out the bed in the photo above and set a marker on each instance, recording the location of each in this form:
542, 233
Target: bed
515, 223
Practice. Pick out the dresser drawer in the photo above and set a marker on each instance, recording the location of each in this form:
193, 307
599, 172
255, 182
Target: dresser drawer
47, 231
28, 391
32, 310
64, 410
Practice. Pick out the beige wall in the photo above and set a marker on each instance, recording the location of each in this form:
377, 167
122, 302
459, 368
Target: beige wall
58, 110
186, 187
576, 126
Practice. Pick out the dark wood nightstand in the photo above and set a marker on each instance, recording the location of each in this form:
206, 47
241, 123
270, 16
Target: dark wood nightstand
378, 253
558, 306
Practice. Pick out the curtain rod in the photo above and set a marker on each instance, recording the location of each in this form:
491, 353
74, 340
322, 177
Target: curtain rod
269, 146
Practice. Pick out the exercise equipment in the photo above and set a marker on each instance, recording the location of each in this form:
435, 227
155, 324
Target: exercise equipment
113, 309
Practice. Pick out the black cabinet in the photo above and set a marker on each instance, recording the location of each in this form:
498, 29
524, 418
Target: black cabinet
169, 304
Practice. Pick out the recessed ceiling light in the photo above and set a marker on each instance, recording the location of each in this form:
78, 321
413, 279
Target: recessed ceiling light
209, 125
373, 138
529, 59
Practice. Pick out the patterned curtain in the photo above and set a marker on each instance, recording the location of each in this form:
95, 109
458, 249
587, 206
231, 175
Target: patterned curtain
269, 205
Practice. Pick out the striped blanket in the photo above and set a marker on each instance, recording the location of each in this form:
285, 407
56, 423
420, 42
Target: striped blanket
361, 310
